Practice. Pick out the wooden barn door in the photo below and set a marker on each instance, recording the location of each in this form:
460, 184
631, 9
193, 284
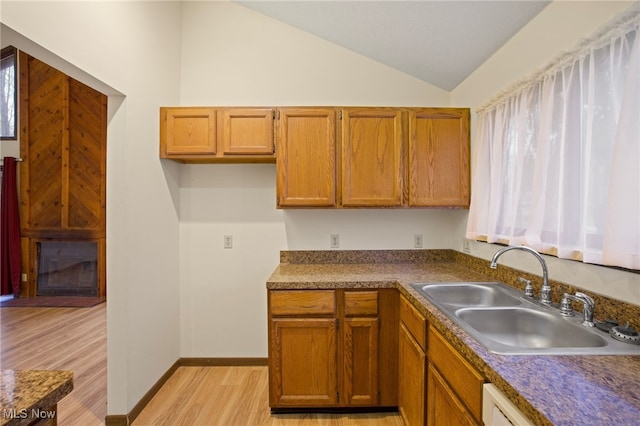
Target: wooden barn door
63, 133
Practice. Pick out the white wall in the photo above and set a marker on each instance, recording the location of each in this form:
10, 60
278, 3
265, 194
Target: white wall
10, 148
234, 56
131, 50
559, 27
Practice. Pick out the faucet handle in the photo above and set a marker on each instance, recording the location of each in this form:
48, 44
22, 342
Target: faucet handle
565, 306
588, 306
528, 289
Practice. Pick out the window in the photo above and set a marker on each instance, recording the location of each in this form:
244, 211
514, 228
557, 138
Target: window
8, 102
555, 162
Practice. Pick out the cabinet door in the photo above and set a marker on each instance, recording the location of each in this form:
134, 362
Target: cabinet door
303, 362
187, 131
439, 157
412, 389
462, 380
247, 131
361, 361
444, 407
306, 158
372, 157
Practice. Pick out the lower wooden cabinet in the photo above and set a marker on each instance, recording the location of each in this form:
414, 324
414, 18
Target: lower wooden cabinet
366, 348
454, 387
412, 389
361, 341
303, 362
436, 385
412, 366
445, 407
327, 348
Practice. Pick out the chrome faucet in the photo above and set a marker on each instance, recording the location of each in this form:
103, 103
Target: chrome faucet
587, 309
545, 293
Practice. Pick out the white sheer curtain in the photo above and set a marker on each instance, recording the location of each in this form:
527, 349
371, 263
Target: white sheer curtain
556, 159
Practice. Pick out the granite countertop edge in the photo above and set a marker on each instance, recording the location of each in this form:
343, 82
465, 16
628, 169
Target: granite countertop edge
561, 390
27, 391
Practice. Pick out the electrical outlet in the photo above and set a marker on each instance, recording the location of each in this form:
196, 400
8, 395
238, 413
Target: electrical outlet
228, 241
24, 278
417, 241
465, 246
335, 240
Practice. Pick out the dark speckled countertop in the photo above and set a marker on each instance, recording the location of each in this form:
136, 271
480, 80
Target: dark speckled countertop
560, 390
28, 395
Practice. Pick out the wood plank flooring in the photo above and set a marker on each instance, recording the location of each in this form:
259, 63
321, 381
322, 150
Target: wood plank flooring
75, 339
61, 339
234, 396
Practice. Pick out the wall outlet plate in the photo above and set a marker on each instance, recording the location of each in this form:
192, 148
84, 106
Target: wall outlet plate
466, 247
228, 241
335, 240
417, 241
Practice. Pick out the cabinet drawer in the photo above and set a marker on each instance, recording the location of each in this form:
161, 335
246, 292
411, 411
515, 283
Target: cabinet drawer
303, 302
414, 321
358, 303
463, 379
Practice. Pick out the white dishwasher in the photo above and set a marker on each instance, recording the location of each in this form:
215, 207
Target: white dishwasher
497, 410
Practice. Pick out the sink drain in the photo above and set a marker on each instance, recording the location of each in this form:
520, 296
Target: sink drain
625, 334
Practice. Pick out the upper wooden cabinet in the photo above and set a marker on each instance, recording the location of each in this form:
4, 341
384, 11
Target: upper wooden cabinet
384, 157
306, 157
438, 170
372, 157
187, 131
209, 134
247, 131
375, 157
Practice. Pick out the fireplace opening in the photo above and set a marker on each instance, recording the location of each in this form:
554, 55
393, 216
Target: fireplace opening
67, 268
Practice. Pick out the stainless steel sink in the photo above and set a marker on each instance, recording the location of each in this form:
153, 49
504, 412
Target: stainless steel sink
471, 294
526, 328
506, 322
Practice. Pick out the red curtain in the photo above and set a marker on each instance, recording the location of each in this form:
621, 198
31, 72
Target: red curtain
9, 230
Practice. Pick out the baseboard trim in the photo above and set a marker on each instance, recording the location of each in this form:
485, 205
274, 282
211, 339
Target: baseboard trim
117, 420
212, 362
127, 419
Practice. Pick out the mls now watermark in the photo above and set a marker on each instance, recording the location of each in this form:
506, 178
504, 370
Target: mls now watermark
34, 413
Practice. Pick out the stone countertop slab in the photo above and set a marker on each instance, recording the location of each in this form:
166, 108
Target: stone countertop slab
367, 275
549, 390
28, 395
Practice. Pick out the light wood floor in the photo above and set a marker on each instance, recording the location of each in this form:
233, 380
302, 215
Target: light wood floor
234, 396
61, 339
75, 339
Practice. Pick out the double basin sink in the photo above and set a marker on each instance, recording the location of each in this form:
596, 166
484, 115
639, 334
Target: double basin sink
505, 321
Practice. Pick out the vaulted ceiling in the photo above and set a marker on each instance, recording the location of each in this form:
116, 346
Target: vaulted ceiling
439, 42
